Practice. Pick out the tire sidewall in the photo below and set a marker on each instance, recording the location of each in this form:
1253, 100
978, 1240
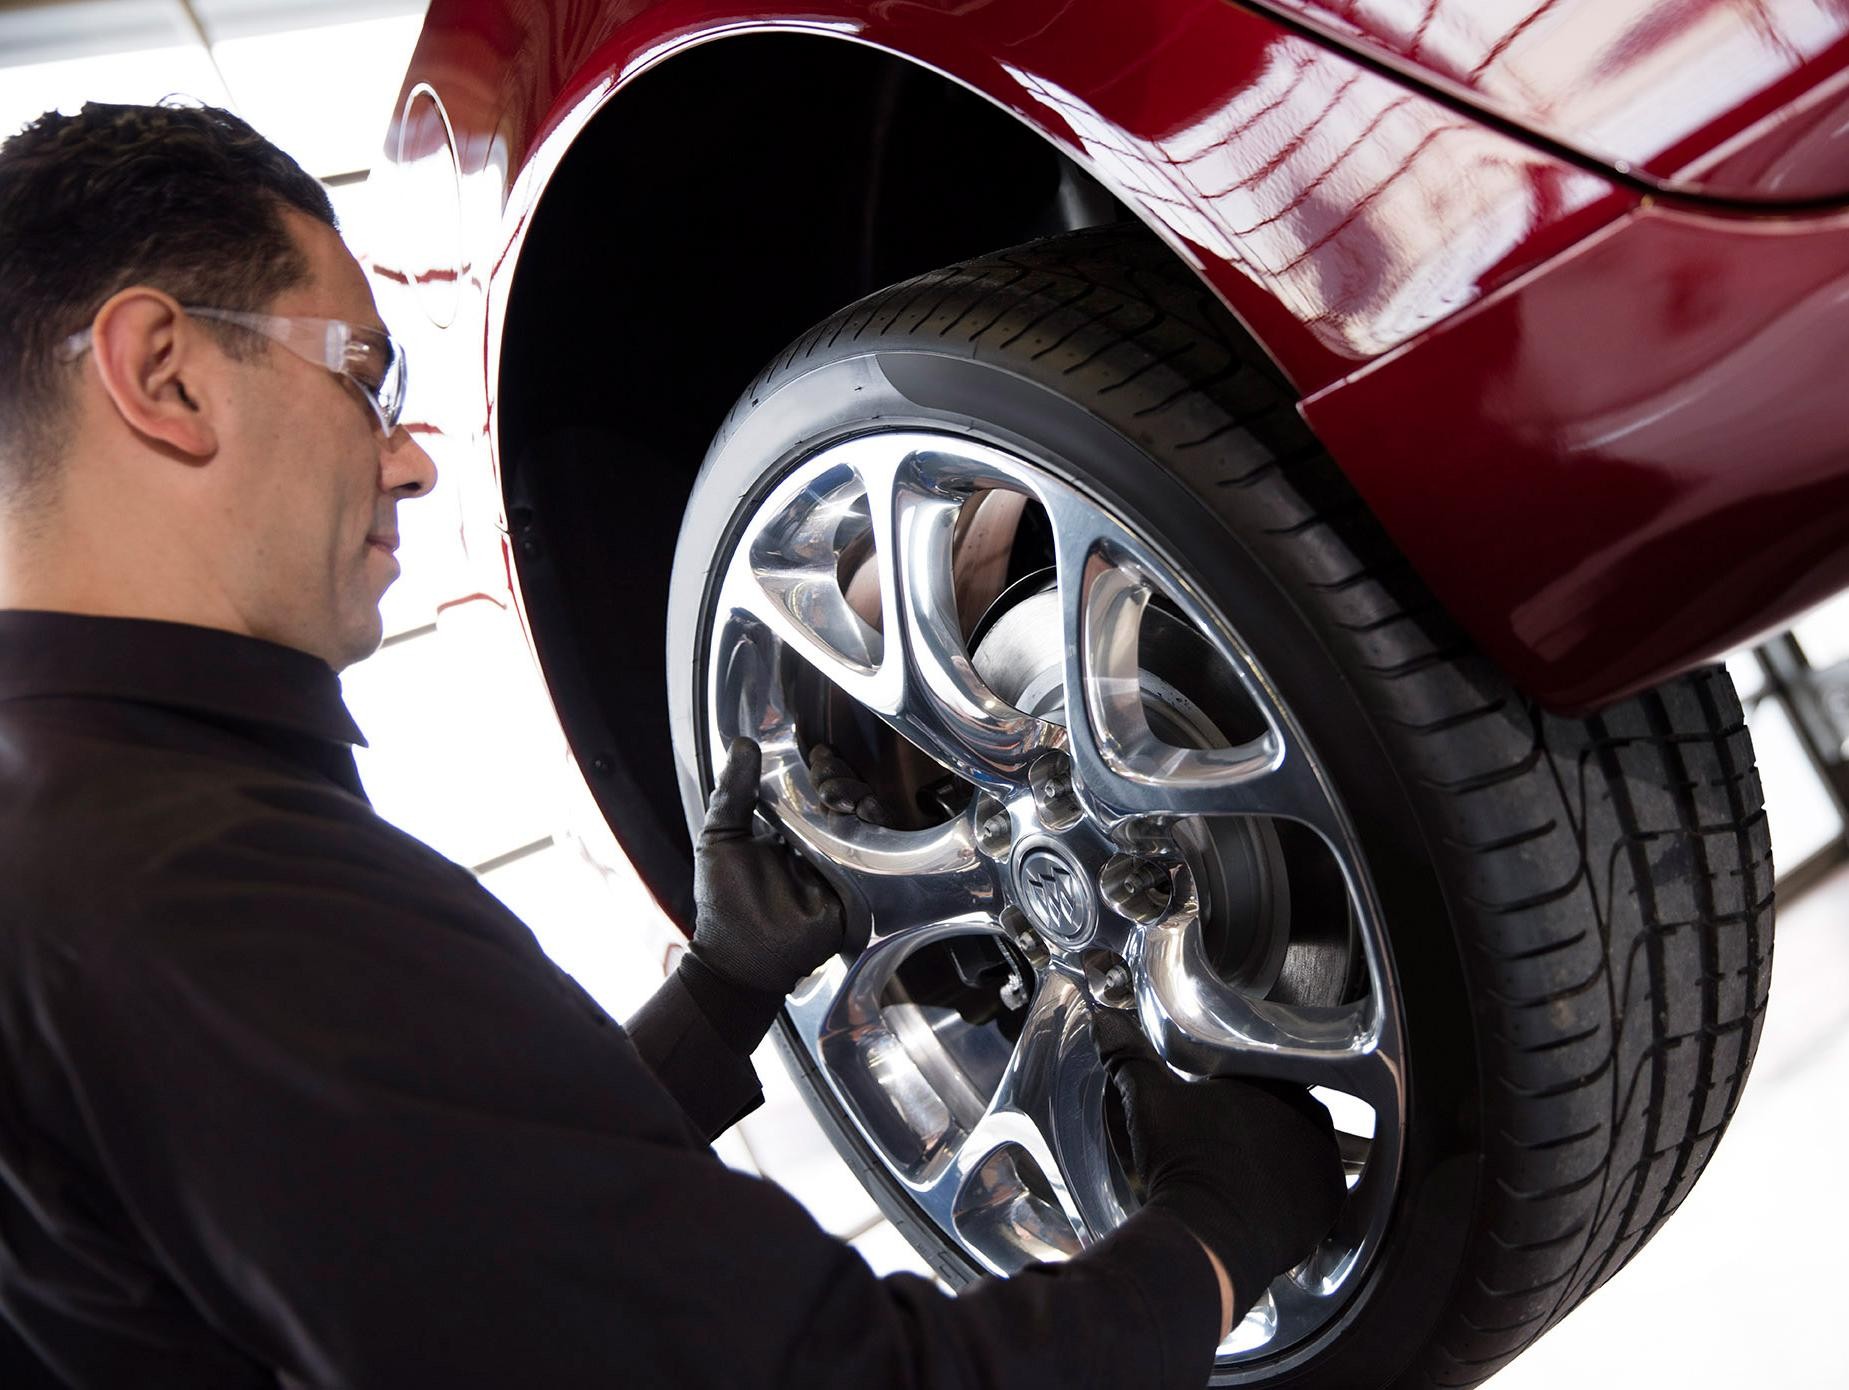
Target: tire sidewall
790, 415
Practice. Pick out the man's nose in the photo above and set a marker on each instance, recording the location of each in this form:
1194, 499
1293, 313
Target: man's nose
404, 467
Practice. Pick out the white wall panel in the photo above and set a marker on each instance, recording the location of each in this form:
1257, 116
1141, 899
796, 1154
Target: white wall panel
788, 1145
325, 94
465, 752
888, 1252
317, 79
104, 30
599, 934
430, 552
28, 90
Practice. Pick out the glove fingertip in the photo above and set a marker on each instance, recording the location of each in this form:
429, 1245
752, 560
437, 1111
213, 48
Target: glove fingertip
735, 791
824, 762
745, 751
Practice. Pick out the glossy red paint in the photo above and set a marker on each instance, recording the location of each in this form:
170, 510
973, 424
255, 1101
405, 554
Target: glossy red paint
1557, 398
1640, 454
1736, 99
1338, 211
1798, 152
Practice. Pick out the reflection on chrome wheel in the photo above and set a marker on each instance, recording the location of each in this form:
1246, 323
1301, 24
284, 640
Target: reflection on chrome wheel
1101, 802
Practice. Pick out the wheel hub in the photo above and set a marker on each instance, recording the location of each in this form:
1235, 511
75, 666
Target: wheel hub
1056, 896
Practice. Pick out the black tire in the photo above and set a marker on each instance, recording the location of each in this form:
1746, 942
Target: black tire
1580, 911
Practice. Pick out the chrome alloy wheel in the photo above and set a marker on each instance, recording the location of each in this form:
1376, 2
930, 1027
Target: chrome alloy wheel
1104, 804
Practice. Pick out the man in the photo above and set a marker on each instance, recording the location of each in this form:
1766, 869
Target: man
289, 1098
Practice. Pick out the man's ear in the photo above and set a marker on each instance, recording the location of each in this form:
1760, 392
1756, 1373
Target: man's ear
152, 361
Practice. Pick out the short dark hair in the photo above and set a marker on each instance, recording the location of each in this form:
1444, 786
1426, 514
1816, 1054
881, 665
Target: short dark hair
188, 199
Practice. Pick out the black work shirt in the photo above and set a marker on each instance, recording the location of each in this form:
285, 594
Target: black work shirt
289, 1099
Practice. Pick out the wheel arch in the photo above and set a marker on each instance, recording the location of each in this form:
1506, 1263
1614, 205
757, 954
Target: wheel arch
734, 195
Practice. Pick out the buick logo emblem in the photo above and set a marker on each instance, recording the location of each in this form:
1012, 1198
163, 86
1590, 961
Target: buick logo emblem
1054, 895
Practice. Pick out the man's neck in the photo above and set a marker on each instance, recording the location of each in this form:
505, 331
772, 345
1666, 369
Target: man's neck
65, 568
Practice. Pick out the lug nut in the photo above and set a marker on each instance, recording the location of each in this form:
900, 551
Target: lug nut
1116, 978
1143, 878
994, 828
1056, 786
1013, 993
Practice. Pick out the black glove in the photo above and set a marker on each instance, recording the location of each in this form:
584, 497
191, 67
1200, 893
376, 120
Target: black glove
1250, 1167
841, 789
762, 918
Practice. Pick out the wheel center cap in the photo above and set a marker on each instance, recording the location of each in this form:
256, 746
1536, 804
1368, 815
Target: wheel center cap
1055, 895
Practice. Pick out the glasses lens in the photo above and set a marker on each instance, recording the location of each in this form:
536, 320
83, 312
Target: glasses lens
390, 394
376, 365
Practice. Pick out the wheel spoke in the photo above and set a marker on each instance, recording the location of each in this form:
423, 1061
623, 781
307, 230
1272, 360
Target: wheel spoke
891, 880
868, 1044
1295, 1310
786, 573
906, 878
1049, 1106
845, 996
1124, 768
936, 698
913, 671
1051, 1101
1206, 1027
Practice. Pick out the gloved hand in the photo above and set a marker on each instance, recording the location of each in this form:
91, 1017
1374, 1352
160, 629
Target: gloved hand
841, 788
763, 919
1250, 1167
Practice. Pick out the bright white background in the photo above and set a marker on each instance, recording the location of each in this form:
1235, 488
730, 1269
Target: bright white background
1739, 1289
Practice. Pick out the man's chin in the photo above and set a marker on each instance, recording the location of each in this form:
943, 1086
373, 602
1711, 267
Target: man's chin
360, 643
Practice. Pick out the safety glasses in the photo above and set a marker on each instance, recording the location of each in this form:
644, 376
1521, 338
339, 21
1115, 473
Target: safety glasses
365, 356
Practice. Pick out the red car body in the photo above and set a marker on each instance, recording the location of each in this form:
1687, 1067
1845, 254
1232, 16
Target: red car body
1562, 283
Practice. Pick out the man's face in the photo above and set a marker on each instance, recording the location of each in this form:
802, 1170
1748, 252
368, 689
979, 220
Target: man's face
317, 486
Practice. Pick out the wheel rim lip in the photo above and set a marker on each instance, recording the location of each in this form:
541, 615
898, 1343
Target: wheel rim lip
1036, 475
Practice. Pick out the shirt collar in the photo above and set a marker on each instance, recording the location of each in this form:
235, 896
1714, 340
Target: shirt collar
203, 669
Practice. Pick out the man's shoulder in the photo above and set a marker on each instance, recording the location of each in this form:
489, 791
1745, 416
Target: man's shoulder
102, 817
71, 769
